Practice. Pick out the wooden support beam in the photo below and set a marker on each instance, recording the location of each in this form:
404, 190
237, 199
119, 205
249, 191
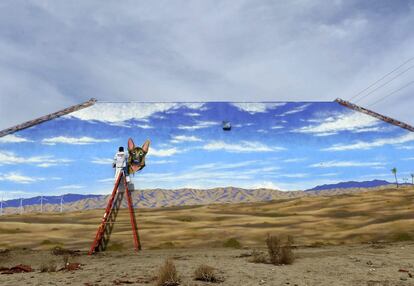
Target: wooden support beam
374, 114
48, 117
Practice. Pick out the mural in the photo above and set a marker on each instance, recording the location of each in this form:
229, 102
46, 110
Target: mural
279, 145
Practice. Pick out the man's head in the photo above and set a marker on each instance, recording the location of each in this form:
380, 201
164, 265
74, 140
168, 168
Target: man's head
121, 149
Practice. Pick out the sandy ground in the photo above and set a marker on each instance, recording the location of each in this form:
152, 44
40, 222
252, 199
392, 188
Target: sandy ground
362, 264
344, 230
352, 218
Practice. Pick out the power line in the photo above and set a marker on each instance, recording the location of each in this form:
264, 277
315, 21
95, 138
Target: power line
387, 82
391, 93
383, 77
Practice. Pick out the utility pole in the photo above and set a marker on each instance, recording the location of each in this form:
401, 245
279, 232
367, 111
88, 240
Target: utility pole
41, 203
61, 204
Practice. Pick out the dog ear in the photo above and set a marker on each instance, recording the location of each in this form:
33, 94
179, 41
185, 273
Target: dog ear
145, 146
131, 144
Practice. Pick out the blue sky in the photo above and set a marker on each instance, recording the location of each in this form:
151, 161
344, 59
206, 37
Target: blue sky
54, 54
288, 146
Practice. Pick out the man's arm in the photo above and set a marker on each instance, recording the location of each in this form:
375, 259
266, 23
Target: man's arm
114, 162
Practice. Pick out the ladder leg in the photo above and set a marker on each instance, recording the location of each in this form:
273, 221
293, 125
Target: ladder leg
137, 244
102, 226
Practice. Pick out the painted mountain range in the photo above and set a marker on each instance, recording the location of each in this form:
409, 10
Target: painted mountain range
153, 198
351, 184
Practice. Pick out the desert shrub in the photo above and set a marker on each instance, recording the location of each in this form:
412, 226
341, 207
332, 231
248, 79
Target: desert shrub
280, 249
206, 273
257, 257
402, 236
167, 274
48, 267
232, 242
46, 242
58, 250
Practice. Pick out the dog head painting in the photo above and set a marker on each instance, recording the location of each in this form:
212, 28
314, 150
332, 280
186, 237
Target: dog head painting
136, 158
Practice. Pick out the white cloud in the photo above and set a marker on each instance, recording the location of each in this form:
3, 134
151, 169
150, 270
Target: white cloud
350, 121
242, 147
295, 110
145, 126
46, 165
163, 152
112, 180
160, 162
71, 187
11, 138
84, 140
262, 185
368, 145
298, 175
329, 174
184, 138
294, 160
199, 125
102, 161
192, 114
345, 164
18, 178
118, 112
10, 158
226, 165
406, 147
256, 107
277, 127
239, 125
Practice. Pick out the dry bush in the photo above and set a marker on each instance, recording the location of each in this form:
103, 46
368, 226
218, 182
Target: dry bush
232, 243
167, 274
58, 250
207, 274
48, 267
280, 249
257, 257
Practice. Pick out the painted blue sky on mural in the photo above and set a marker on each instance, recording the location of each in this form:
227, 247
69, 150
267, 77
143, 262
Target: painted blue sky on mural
288, 146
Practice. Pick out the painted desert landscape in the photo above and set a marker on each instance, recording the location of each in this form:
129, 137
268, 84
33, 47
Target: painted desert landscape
359, 237
233, 193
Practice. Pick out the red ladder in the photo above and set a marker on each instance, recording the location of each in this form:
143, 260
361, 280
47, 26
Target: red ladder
112, 209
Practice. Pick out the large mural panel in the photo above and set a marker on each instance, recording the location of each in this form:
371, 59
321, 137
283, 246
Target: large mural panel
278, 145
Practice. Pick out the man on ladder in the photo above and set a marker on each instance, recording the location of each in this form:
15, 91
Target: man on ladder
124, 165
120, 163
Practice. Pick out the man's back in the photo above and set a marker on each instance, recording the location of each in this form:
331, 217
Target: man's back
120, 159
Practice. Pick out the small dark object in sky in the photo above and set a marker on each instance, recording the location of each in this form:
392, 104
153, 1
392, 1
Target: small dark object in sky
226, 126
